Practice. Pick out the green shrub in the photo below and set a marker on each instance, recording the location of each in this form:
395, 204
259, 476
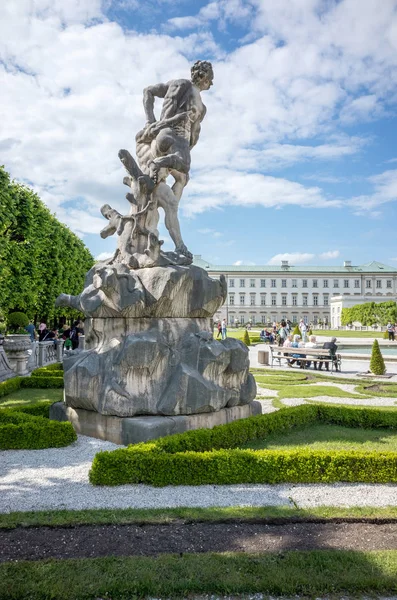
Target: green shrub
296, 330
246, 338
28, 428
9, 386
386, 335
17, 320
377, 364
47, 373
213, 456
51, 367
41, 382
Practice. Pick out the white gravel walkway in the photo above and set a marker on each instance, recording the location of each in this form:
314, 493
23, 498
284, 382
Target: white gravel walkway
57, 478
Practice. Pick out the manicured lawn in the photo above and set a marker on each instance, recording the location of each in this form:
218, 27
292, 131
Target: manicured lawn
348, 334
30, 396
330, 437
164, 516
288, 573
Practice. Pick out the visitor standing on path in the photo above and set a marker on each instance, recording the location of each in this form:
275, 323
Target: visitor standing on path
31, 329
223, 329
303, 330
390, 331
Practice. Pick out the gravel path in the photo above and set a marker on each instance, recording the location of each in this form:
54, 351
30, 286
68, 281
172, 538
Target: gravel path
57, 478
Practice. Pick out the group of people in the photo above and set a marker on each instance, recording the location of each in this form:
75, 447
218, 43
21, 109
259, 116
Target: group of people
69, 334
295, 341
222, 329
280, 331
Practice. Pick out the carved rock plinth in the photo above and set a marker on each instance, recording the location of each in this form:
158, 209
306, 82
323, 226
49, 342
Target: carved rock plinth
149, 345
157, 367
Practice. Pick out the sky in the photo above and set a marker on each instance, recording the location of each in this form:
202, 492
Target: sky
297, 157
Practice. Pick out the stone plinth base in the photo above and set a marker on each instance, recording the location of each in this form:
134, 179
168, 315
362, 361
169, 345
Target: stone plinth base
131, 430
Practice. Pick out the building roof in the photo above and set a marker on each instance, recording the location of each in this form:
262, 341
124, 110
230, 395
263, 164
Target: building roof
371, 267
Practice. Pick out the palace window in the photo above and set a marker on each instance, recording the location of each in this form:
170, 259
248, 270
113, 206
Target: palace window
284, 300
252, 299
345, 283
294, 300
242, 299
242, 282
315, 283
295, 283
273, 283
263, 282
263, 299
252, 282
315, 300
304, 300
231, 299
325, 283
304, 283
368, 283
325, 299
356, 283
336, 283
388, 284
283, 283
274, 300
378, 283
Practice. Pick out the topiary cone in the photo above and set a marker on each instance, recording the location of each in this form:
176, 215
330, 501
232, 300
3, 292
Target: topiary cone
377, 364
246, 338
296, 330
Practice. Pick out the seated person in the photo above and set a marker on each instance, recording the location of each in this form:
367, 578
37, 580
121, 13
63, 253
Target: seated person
297, 344
311, 344
333, 348
266, 336
288, 342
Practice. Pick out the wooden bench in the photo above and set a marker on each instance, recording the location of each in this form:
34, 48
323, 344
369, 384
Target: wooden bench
322, 355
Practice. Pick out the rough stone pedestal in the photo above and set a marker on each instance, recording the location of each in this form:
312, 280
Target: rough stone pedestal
124, 431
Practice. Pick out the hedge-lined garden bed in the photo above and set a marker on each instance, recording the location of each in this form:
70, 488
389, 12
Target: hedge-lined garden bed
29, 426
214, 456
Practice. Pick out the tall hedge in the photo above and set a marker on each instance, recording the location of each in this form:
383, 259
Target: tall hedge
370, 313
39, 256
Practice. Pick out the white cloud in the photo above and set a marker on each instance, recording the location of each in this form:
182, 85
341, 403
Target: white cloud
238, 263
294, 258
104, 255
385, 190
246, 263
211, 232
71, 90
329, 255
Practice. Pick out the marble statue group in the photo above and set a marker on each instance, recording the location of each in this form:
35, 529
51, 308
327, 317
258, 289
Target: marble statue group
150, 351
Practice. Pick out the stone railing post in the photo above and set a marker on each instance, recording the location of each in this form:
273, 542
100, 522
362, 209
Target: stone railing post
60, 344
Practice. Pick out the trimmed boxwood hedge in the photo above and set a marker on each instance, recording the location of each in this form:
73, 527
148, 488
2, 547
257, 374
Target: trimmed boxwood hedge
213, 456
29, 426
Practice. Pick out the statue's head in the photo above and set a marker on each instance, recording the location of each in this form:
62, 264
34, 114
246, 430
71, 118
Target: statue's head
202, 74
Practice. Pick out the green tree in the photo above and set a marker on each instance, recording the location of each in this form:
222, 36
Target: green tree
377, 364
370, 313
246, 338
39, 256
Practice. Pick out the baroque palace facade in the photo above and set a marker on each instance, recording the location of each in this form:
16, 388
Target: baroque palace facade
261, 294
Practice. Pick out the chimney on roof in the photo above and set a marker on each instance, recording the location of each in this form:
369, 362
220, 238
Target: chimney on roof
347, 263
284, 263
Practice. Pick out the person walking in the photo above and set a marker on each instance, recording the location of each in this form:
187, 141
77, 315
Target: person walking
223, 329
219, 327
391, 331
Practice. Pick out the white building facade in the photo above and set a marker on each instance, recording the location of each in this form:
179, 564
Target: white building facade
262, 294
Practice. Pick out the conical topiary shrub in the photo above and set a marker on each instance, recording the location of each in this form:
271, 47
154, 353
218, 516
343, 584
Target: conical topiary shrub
296, 330
377, 364
386, 335
246, 338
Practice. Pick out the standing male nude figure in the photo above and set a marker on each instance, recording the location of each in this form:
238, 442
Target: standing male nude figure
163, 146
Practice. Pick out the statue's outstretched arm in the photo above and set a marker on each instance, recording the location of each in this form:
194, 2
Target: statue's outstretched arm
159, 90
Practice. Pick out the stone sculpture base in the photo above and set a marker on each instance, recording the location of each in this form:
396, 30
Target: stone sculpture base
125, 430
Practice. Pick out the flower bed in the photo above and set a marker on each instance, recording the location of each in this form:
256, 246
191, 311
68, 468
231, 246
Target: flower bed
214, 456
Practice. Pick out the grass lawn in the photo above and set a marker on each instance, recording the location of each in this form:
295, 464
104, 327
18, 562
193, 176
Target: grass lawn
288, 573
326, 437
348, 334
30, 396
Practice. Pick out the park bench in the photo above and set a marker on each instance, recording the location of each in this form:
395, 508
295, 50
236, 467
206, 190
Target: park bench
312, 354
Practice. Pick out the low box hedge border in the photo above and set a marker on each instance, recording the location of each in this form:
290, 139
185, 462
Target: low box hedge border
29, 427
213, 456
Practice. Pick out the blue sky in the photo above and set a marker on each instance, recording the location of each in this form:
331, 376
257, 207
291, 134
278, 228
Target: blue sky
297, 157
